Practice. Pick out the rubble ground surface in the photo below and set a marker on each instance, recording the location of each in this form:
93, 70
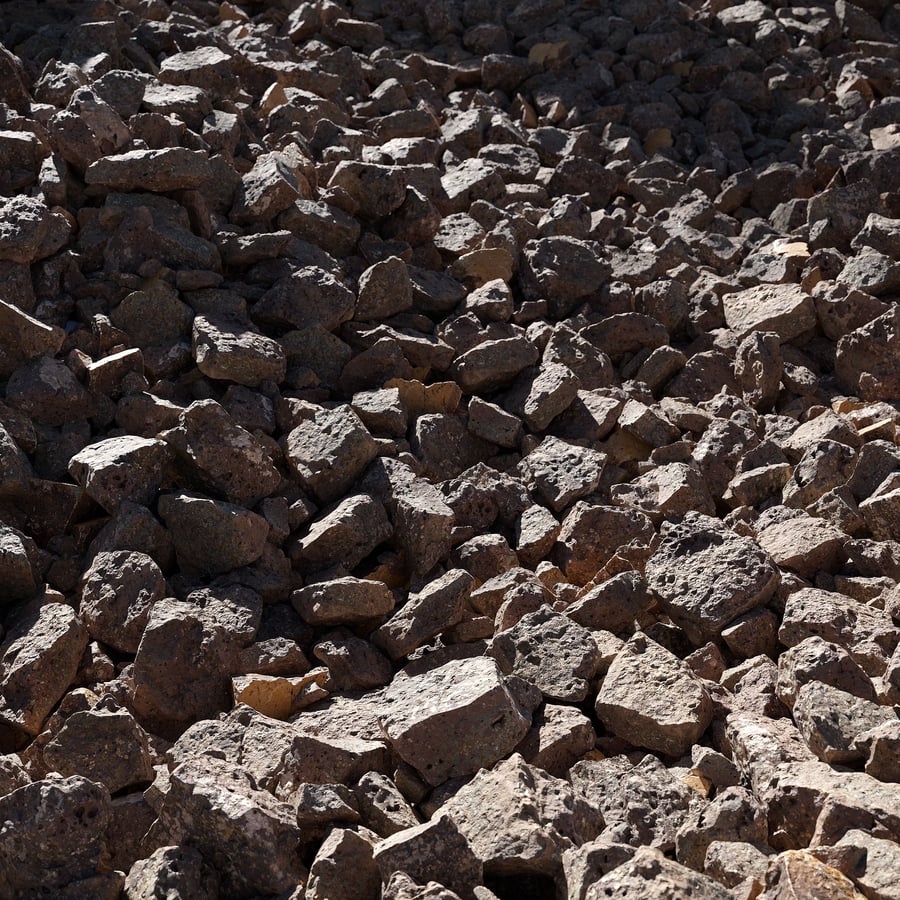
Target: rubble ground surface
449, 449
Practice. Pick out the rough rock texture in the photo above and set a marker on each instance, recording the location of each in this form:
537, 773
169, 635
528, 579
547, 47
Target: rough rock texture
449, 449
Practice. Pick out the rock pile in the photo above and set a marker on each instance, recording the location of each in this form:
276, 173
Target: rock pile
449, 449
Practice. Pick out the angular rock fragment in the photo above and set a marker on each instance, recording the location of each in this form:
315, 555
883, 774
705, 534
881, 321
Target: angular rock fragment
652, 699
453, 719
226, 349
705, 575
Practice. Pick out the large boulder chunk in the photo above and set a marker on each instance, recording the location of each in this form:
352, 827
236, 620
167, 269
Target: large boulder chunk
652, 699
53, 834
868, 359
38, 662
452, 720
705, 575
519, 821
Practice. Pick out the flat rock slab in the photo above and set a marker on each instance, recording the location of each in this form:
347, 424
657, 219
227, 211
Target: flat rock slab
652, 699
804, 545
169, 169
453, 719
784, 309
706, 575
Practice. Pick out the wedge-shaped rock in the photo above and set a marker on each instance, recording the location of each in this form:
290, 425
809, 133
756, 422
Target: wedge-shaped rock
251, 839
341, 601
328, 453
652, 699
438, 606
53, 834
306, 298
227, 349
168, 169
38, 661
46, 390
798, 873
224, 457
519, 820
453, 719
650, 876
493, 364
551, 651
19, 565
559, 737
814, 659
345, 535
121, 468
784, 309
435, 850
705, 575
668, 491
211, 536
23, 338
880, 864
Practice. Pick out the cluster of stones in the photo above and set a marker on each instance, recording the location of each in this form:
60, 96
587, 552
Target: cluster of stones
449, 449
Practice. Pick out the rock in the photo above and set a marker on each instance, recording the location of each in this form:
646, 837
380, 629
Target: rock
706, 576
250, 839
652, 699
38, 661
881, 859
29, 231
797, 873
559, 737
437, 607
212, 536
344, 868
519, 820
118, 591
384, 290
830, 719
223, 457
382, 807
171, 869
226, 349
119, 469
493, 364
866, 360
104, 746
783, 309
650, 875
804, 545
436, 849
47, 391
814, 659
19, 565
344, 535
561, 473
60, 835
168, 169
466, 702
329, 453
308, 297
551, 651
343, 601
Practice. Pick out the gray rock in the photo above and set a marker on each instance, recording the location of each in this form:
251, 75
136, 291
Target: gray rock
227, 349
211, 536
551, 651
452, 720
652, 699
171, 870
560, 473
706, 576
518, 820
345, 600
39, 658
344, 868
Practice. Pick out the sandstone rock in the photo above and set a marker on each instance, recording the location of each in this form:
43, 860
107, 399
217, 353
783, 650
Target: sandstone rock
652, 699
453, 719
